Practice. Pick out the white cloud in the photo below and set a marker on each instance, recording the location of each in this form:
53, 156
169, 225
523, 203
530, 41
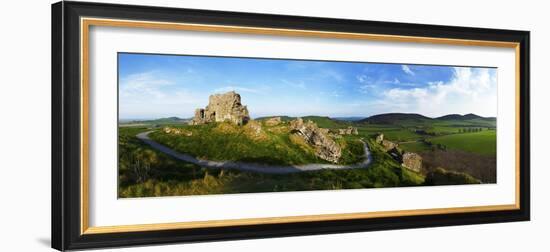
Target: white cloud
468, 91
362, 78
150, 94
407, 70
143, 83
367, 88
394, 81
295, 84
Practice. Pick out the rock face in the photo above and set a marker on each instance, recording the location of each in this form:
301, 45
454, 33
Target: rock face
325, 147
253, 129
274, 121
225, 107
380, 138
412, 161
388, 145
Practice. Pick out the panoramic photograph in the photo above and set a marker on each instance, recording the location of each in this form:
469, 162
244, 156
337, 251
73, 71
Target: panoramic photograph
199, 125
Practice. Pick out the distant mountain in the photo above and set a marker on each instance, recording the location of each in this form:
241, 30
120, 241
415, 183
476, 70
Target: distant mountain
393, 118
349, 119
458, 117
403, 119
284, 118
167, 120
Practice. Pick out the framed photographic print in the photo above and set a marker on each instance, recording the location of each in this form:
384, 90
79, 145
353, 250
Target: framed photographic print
180, 125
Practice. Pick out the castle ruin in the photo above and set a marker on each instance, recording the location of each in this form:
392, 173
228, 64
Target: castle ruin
225, 107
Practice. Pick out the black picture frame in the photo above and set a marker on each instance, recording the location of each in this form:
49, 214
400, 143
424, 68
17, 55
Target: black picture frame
66, 156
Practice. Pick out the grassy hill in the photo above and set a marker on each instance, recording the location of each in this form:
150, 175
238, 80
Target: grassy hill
272, 145
460, 117
396, 118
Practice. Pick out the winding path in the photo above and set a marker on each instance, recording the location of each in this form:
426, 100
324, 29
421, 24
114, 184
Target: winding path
255, 167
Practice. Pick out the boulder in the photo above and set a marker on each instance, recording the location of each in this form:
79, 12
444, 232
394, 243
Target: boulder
412, 161
274, 121
380, 138
325, 147
254, 130
176, 131
388, 145
348, 131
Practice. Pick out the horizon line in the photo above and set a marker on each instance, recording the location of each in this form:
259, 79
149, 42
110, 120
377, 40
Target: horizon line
264, 116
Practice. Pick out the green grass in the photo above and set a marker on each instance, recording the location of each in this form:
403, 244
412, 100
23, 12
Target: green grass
414, 147
483, 142
392, 133
228, 142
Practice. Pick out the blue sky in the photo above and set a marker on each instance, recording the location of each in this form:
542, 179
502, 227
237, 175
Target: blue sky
154, 86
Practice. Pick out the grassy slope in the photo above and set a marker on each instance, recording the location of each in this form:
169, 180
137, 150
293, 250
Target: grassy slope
274, 145
228, 142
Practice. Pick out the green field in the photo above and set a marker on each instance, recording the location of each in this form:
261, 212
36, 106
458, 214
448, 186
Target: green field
483, 142
415, 146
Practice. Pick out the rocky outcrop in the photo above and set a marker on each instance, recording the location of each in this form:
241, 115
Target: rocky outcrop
409, 160
412, 161
253, 129
347, 131
273, 121
176, 131
325, 147
225, 107
380, 138
388, 145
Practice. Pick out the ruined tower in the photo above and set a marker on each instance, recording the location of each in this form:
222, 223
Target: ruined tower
225, 107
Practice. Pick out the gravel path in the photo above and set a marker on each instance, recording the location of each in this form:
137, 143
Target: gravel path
255, 167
